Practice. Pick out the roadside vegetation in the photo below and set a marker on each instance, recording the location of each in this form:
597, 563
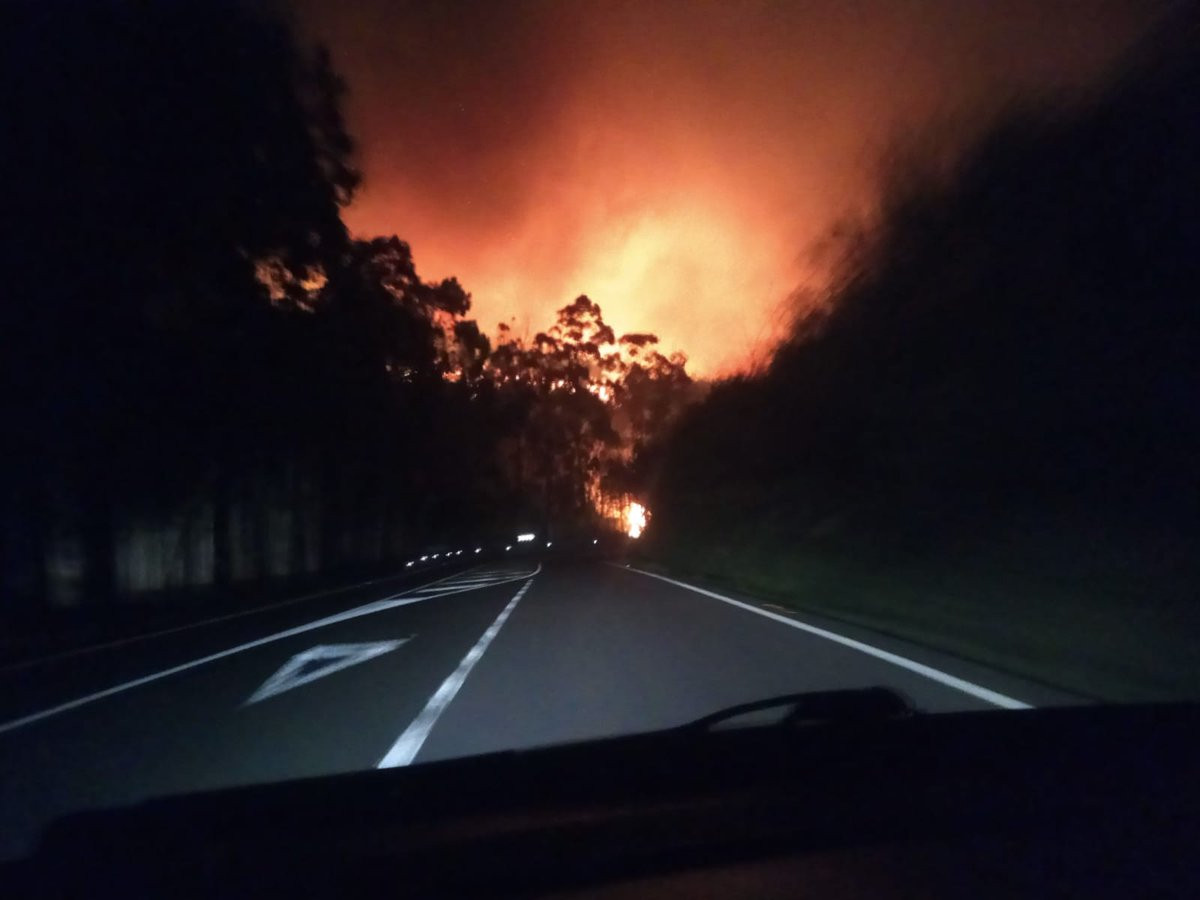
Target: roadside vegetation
986, 435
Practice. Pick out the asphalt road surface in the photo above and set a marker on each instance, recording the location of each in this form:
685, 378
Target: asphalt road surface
508, 654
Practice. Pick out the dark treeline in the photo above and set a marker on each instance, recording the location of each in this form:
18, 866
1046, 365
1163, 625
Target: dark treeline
1011, 339
205, 378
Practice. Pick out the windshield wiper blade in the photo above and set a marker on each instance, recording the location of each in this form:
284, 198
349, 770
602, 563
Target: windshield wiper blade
858, 706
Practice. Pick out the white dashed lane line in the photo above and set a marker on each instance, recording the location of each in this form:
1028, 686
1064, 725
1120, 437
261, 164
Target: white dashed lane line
409, 743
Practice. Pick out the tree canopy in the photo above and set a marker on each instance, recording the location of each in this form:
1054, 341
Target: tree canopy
206, 376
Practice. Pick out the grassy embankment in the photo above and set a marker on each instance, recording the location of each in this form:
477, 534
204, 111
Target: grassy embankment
1102, 614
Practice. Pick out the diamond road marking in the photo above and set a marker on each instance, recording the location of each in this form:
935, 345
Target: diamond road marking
334, 657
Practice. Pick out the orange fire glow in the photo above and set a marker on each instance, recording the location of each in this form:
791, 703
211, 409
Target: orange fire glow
626, 514
673, 161
635, 517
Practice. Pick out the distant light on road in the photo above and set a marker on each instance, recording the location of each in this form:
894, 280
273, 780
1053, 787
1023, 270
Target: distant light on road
509, 547
408, 564
595, 540
436, 555
522, 538
549, 543
423, 558
478, 549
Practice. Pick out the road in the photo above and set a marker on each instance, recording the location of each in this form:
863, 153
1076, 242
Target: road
507, 654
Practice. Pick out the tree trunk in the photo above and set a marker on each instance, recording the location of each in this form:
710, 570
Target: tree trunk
330, 513
261, 517
297, 518
23, 532
222, 543
99, 544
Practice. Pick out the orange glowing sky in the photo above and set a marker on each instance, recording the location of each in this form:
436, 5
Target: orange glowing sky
674, 161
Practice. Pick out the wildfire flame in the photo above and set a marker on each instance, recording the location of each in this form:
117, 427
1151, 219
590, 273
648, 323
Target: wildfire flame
635, 519
603, 391
620, 509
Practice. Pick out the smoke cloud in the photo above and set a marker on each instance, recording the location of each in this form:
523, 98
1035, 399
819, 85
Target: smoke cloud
671, 160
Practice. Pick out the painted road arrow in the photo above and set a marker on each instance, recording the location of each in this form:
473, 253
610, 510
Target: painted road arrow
318, 662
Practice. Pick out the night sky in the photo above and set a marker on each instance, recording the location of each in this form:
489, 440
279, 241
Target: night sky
674, 161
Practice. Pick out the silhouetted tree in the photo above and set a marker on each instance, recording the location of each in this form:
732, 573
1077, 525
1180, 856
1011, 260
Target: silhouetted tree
588, 404
198, 357
155, 153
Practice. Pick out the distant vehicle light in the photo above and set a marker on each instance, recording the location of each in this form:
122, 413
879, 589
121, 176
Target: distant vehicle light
509, 547
478, 549
595, 540
548, 543
528, 536
408, 564
436, 555
423, 558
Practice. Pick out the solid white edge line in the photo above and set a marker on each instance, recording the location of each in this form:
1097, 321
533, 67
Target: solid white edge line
410, 742
134, 638
365, 610
959, 684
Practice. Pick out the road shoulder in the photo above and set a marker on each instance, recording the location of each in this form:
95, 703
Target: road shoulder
1032, 691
